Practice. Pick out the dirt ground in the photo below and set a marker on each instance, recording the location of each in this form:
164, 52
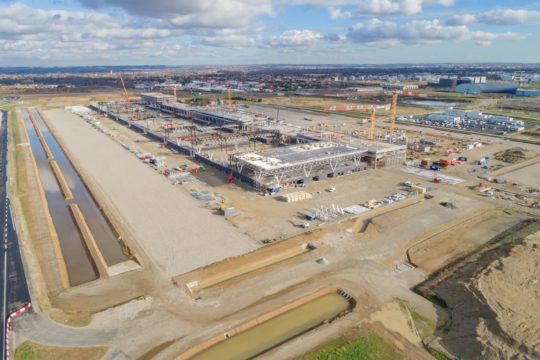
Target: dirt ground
491, 305
528, 176
370, 265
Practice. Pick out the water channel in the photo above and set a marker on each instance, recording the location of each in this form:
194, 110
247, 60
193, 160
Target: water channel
79, 264
276, 331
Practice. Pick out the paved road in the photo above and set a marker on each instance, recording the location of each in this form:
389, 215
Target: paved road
13, 281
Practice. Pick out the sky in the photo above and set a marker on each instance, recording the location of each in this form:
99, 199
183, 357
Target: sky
238, 32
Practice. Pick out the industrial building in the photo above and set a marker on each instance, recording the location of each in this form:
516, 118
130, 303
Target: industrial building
223, 116
528, 92
491, 87
305, 163
401, 87
175, 108
299, 164
156, 98
207, 116
473, 120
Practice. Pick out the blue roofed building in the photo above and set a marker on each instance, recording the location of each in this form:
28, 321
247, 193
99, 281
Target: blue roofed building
489, 87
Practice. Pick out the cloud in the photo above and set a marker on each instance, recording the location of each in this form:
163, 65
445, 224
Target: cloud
374, 7
295, 38
378, 33
497, 17
336, 14
406, 7
189, 14
380, 7
46, 34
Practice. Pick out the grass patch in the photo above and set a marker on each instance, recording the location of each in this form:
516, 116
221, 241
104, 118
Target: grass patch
437, 354
32, 351
15, 138
368, 346
75, 319
424, 326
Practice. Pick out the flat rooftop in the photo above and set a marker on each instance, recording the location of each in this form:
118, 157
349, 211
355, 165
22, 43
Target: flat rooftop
228, 114
157, 95
298, 154
179, 105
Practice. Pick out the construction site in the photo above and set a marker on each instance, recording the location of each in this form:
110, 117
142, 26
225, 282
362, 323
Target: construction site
170, 230
227, 139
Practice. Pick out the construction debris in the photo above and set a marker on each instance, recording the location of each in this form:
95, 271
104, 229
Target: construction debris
512, 156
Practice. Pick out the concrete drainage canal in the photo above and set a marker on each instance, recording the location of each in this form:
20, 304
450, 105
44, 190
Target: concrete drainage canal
274, 328
88, 244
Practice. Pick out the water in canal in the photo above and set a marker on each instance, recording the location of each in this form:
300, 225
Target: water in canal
78, 261
276, 331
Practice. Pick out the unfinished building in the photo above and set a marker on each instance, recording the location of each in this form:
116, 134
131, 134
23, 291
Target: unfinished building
298, 156
299, 164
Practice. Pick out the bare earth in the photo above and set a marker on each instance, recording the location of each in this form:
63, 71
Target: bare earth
169, 230
493, 316
166, 221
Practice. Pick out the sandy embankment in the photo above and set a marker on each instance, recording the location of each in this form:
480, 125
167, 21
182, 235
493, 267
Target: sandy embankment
496, 308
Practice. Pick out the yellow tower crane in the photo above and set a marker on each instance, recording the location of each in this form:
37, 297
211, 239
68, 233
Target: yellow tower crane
393, 113
229, 96
174, 93
126, 95
372, 128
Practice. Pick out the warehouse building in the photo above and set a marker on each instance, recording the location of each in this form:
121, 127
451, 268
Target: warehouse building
491, 87
528, 92
473, 120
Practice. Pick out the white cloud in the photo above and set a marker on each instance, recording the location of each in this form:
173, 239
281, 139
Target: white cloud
296, 38
190, 14
375, 7
46, 34
382, 7
336, 14
378, 33
497, 17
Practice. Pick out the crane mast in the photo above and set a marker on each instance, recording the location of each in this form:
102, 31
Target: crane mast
372, 127
393, 113
229, 96
126, 95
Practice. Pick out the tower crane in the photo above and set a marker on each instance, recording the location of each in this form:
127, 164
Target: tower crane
393, 113
372, 127
229, 96
126, 95
174, 93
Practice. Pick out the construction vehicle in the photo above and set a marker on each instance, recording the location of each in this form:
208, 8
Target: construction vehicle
372, 204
